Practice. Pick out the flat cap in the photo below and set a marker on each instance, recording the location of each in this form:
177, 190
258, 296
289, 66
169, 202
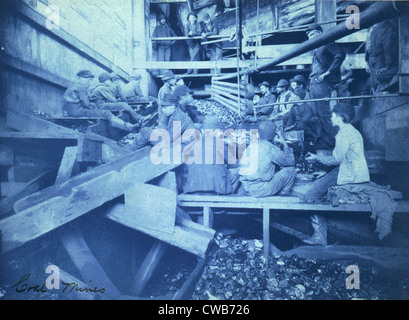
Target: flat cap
264, 83
136, 76
114, 76
104, 76
169, 99
180, 91
282, 83
299, 79
168, 75
267, 130
85, 74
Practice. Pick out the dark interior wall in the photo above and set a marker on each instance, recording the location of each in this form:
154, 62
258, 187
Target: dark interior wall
37, 64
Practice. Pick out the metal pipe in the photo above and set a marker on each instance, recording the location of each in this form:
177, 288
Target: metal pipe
235, 92
377, 12
330, 99
226, 94
227, 84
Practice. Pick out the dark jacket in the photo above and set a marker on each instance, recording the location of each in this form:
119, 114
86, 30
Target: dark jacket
328, 58
161, 32
211, 29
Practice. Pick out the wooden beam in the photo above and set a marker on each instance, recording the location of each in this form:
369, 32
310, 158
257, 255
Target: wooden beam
392, 258
40, 213
87, 264
188, 236
148, 267
184, 291
10, 188
404, 54
44, 180
67, 164
181, 65
266, 232
153, 207
32, 126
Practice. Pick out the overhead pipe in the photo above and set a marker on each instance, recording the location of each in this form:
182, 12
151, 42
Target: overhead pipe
376, 13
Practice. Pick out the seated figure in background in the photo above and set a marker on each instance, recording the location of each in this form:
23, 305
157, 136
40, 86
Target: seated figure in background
77, 103
103, 97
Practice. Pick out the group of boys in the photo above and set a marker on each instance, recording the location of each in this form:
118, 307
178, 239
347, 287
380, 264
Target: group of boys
107, 100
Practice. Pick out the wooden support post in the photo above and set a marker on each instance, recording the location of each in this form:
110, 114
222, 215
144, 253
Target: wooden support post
266, 232
67, 164
148, 267
84, 260
208, 217
404, 54
184, 291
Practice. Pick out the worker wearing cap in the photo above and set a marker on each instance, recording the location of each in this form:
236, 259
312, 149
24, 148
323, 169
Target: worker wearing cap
281, 111
325, 74
302, 115
77, 103
275, 170
133, 92
169, 80
185, 101
193, 29
348, 157
163, 48
104, 98
117, 88
213, 51
264, 109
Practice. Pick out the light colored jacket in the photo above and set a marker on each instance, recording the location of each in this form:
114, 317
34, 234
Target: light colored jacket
349, 154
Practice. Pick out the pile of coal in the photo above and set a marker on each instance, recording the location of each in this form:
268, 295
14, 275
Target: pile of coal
238, 270
225, 115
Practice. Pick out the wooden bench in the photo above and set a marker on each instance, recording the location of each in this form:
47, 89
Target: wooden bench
209, 202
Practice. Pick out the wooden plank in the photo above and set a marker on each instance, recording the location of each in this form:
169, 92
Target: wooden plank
184, 236
87, 264
153, 207
236, 198
9, 189
35, 125
393, 258
184, 291
38, 135
181, 65
6, 155
44, 180
67, 164
40, 213
266, 232
208, 217
148, 267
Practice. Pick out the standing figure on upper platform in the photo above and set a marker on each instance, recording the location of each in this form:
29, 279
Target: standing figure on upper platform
213, 51
193, 29
163, 48
325, 74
